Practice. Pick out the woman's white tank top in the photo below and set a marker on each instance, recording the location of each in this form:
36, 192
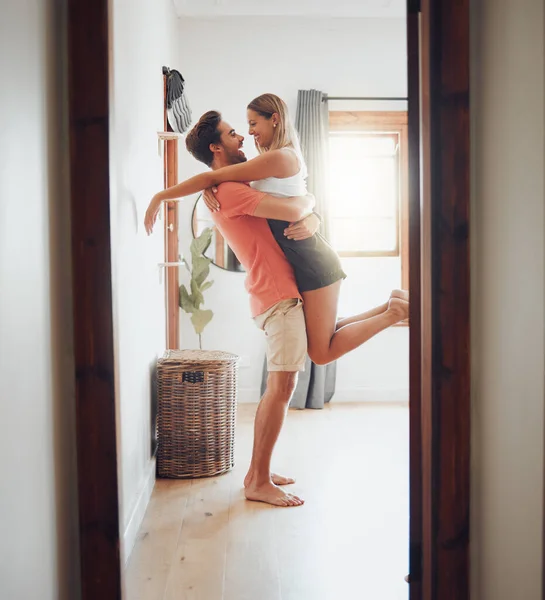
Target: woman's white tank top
285, 187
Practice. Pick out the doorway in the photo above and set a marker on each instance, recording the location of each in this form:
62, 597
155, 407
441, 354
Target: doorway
439, 271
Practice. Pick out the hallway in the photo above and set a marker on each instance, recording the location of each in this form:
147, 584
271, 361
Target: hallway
201, 541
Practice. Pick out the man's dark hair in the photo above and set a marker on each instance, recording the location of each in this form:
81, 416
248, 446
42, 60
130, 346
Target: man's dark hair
204, 133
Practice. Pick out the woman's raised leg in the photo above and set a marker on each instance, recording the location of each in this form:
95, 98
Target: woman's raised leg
326, 342
403, 294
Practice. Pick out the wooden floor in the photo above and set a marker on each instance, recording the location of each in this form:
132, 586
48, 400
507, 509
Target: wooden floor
200, 540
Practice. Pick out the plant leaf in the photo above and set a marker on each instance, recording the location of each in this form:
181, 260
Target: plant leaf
201, 269
186, 301
200, 319
196, 294
200, 245
206, 285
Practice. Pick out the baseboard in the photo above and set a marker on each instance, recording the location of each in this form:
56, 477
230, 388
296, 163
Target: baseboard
138, 512
363, 394
379, 395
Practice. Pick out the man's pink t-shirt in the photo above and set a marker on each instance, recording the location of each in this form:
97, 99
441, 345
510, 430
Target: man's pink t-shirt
270, 277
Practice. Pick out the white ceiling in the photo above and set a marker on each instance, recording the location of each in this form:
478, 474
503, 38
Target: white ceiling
306, 8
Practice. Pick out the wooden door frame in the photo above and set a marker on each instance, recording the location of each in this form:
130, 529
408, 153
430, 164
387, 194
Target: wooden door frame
438, 48
439, 555
89, 68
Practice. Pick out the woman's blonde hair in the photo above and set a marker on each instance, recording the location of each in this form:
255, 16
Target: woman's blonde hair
284, 135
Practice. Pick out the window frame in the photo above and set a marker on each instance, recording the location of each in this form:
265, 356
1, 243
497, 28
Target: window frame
393, 122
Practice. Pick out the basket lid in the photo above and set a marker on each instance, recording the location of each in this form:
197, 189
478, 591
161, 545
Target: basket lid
198, 356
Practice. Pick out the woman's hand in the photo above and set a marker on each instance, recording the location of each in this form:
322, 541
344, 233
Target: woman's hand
210, 199
303, 229
151, 214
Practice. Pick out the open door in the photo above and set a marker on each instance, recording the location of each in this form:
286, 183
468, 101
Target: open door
439, 158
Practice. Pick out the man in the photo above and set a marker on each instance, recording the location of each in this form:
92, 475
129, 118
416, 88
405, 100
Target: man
275, 302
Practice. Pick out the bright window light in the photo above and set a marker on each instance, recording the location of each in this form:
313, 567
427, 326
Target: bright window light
364, 192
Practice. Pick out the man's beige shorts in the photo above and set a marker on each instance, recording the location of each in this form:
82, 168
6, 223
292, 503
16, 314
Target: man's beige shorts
284, 326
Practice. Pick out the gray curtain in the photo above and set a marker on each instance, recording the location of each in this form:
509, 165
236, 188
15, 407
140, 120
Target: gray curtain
315, 385
312, 124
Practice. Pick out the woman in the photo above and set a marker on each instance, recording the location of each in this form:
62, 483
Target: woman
280, 170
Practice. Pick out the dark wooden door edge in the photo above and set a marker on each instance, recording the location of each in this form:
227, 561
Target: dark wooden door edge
88, 113
446, 424
450, 193
415, 337
439, 246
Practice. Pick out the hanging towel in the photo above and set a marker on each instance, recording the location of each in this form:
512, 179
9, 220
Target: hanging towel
178, 110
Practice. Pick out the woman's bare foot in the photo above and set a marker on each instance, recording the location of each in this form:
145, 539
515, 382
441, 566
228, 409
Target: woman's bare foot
399, 308
281, 480
275, 478
403, 294
271, 494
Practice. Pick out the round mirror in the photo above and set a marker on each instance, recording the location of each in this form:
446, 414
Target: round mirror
222, 256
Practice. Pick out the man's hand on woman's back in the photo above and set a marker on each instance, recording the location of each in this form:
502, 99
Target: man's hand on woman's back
303, 229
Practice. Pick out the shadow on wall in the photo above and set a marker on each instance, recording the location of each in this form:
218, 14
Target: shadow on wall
63, 391
153, 407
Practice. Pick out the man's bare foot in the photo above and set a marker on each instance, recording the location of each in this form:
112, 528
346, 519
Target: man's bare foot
399, 308
403, 294
275, 478
271, 494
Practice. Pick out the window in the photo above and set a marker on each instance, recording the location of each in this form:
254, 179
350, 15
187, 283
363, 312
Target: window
368, 184
364, 191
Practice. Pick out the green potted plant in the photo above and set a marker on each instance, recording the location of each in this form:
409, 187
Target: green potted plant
198, 272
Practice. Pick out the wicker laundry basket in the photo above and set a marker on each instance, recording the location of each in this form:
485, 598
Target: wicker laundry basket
196, 411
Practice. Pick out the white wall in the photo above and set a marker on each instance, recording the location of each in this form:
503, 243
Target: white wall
507, 298
144, 39
228, 61
38, 497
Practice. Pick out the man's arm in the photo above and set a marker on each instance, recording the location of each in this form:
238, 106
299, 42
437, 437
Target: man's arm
238, 199
285, 209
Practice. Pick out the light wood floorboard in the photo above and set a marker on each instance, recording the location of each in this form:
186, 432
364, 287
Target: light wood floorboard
200, 540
